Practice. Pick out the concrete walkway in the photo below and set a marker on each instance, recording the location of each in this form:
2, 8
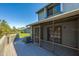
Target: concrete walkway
30, 49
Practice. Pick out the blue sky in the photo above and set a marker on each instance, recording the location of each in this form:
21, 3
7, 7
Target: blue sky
19, 14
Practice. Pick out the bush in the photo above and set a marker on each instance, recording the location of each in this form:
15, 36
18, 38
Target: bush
27, 40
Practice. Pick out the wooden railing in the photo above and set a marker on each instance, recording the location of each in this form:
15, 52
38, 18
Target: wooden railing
6, 45
3, 42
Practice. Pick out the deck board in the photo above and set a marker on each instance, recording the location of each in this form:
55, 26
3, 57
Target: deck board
30, 49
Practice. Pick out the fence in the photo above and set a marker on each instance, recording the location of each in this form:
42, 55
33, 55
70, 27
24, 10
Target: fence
4, 41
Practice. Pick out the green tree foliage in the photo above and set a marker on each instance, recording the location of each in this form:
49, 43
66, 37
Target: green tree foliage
4, 27
14, 30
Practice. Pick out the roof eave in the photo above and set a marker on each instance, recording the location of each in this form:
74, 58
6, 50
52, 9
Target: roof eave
42, 8
60, 16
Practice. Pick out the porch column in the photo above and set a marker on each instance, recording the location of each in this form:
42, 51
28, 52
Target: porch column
53, 35
31, 33
34, 35
53, 28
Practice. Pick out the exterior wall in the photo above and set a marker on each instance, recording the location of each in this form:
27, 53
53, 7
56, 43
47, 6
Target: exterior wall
65, 51
69, 38
41, 15
69, 33
69, 6
78, 33
65, 7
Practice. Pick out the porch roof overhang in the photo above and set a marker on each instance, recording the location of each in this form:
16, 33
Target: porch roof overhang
57, 17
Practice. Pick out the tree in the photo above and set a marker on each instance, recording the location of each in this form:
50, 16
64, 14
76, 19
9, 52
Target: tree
4, 27
14, 29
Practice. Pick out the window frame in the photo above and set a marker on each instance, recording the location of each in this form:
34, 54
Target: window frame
52, 7
57, 33
50, 10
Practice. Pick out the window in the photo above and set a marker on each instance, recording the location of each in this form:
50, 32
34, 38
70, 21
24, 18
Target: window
50, 11
57, 34
57, 9
41, 15
54, 10
50, 33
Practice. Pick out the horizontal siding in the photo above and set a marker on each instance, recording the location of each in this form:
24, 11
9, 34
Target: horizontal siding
41, 15
70, 6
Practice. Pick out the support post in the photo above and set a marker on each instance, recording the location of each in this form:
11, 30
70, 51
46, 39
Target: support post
34, 35
53, 35
53, 28
31, 33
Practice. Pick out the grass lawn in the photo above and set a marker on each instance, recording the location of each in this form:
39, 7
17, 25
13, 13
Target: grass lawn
22, 35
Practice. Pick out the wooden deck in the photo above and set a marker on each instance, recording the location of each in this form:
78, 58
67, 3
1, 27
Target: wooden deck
30, 49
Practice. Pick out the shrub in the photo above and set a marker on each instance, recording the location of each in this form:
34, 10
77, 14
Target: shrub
27, 39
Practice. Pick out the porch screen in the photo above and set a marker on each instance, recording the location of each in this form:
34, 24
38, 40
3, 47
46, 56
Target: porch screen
50, 33
37, 35
57, 34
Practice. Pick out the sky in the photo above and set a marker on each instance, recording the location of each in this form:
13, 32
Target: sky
20, 14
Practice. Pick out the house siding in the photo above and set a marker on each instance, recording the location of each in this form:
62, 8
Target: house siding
68, 38
69, 33
65, 7
78, 33
69, 6
41, 15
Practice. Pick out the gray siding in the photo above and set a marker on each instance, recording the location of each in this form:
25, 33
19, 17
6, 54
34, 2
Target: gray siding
69, 38
64, 6
69, 33
41, 15
70, 6
78, 33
